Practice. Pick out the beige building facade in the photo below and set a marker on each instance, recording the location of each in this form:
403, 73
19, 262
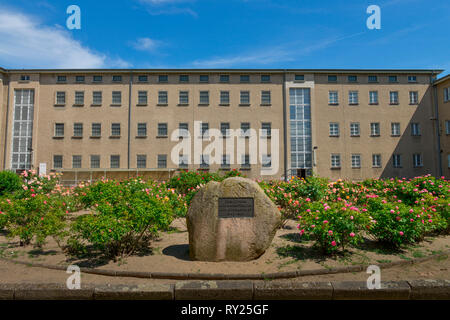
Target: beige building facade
271, 124
442, 104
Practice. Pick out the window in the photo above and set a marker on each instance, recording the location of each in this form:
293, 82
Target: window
117, 78
245, 161
116, 98
415, 129
61, 79
77, 129
373, 97
204, 161
60, 98
59, 129
393, 97
244, 78
204, 130
373, 79
115, 129
356, 161
57, 161
162, 129
245, 129
97, 98
265, 78
184, 97
183, 161
142, 129
97, 78
266, 128
412, 79
79, 78
335, 161
95, 161
79, 98
352, 78
24, 78
76, 162
353, 97
447, 127
395, 129
224, 78
245, 97
183, 128
224, 97
225, 128
333, 98
446, 94
334, 129
184, 78
115, 161
141, 161
374, 129
354, 129
142, 98
204, 78
162, 98
392, 79
265, 98
143, 78
225, 163
413, 97
376, 160
162, 161
417, 160
163, 78
266, 160
299, 77
332, 78
204, 97
397, 160
96, 129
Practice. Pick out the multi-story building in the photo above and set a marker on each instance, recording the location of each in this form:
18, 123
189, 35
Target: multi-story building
442, 104
352, 124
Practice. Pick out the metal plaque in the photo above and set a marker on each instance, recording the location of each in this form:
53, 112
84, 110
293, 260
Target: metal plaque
236, 208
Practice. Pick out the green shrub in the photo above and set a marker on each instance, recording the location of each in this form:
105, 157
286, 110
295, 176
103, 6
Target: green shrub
9, 182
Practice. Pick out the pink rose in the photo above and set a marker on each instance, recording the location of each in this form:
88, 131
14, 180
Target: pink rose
333, 243
352, 234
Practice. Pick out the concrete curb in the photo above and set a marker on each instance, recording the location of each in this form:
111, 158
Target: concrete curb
235, 290
207, 276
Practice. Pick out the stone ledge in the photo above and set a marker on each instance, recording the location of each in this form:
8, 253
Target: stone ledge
274, 290
214, 290
51, 291
430, 289
357, 290
135, 292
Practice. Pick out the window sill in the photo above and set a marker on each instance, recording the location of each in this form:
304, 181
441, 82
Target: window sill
114, 137
161, 137
265, 104
183, 105
353, 104
374, 135
142, 105
373, 104
59, 105
162, 104
78, 105
141, 137
394, 104
95, 137
355, 136
395, 135
96, 105
244, 105
335, 168
58, 138
115, 105
333, 104
224, 104
203, 104
333, 136
77, 137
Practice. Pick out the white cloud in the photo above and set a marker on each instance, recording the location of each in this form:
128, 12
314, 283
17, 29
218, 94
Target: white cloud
25, 43
168, 7
146, 44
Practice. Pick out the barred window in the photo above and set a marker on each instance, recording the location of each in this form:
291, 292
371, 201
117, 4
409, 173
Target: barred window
224, 78
141, 161
204, 78
117, 78
116, 97
335, 160
245, 97
162, 129
162, 97
76, 162
224, 97
352, 78
95, 161
79, 97
356, 161
115, 161
373, 79
353, 97
334, 129
142, 97
375, 129
142, 130
393, 97
61, 97
333, 97
97, 97
395, 128
79, 78
115, 129
184, 97
184, 78
244, 78
413, 97
97, 78
59, 129
415, 129
96, 129
373, 97
265, 97
354, 129
225, 128
143, 78
57, 161
204, 97
397, 160
417, 160
376, 160
266, 128
163, 78
77, 129
162, 161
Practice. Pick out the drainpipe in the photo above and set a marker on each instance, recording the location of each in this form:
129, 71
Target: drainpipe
6, 128
129, 119
284, 127
438, 135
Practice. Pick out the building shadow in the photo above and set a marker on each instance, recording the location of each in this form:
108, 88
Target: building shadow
179, 251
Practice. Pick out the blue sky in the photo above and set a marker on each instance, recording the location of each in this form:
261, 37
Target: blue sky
225, 34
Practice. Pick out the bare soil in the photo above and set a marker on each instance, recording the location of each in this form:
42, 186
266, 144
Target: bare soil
170, 253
